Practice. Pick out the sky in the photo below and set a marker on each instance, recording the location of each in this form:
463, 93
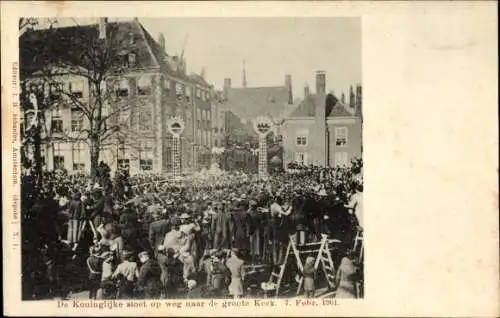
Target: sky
270, 47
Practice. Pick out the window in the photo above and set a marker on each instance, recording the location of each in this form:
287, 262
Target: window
341, 159
76, 120
123, 88
168, 85
145, 119
144, 86
131, 38
58, 162
123, 164
76, 88
188, 93
216, 143
301, 158
132, 60
124, 118
146, 156
78, 156
209, 117
301, 140
216, 130
56, 125
179, 89
55, 92
341, 136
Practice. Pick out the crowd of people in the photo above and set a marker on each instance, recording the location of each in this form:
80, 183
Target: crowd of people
145, 236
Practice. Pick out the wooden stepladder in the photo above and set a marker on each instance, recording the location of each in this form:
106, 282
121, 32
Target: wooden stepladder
323, 257
358, 244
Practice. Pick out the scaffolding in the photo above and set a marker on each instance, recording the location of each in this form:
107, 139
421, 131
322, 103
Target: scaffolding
323, 257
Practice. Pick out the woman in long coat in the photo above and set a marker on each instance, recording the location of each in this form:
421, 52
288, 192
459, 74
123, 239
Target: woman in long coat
347, 277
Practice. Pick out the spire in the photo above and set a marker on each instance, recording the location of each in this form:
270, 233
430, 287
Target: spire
244, 81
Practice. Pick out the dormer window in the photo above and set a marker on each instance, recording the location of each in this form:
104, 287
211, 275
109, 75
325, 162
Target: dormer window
272, 100
122, 89
144, 86
76, 89
132, 59
131, 38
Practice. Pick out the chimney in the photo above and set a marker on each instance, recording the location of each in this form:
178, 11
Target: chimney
244, 76
288, 84
351, 97
358, 96
320, 82
306, 91
227, 86
102, 28
161, 42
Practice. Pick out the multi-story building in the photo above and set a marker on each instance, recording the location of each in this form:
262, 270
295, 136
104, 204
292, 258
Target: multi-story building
323, 130
151, 88
249, 103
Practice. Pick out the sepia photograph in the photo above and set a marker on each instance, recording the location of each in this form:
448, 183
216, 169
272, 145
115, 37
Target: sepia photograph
191, 158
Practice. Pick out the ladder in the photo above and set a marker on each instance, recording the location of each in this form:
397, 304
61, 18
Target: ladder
358, 241
323, 257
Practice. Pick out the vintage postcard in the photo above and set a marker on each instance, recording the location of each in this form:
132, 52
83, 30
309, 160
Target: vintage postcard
212, 158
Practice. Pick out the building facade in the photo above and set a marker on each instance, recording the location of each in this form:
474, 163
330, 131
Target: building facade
151, 88
322, 130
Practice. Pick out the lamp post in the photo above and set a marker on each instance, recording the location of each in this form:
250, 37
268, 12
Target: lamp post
176, 127
262, 126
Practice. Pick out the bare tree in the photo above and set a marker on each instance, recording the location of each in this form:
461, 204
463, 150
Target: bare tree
97, 57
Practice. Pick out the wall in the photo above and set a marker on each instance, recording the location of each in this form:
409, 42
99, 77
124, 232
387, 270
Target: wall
290, 129
353, 147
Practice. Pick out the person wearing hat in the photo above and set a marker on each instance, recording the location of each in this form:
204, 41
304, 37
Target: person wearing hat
149, 277
76, 211
241, 227
256, 223
221, 228
126, 273
158, 229
190, 228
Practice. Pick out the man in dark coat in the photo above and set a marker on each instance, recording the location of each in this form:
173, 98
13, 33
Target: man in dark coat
157, 231
148, 281
97, 208
222, 228
76, 213
241, 228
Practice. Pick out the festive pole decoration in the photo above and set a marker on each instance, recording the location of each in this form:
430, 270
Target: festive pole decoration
262, 126
176, 127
